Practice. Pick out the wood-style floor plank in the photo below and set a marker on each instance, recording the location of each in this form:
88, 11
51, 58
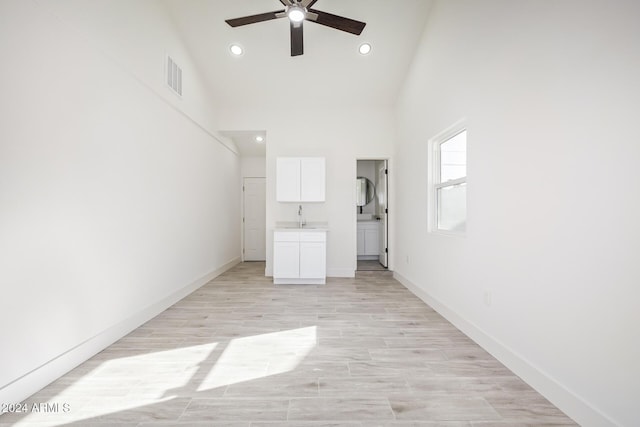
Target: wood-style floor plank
242, 352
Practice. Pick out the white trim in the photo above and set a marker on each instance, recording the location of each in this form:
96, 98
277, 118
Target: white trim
452, 130
28, 384
566, 400
451, 183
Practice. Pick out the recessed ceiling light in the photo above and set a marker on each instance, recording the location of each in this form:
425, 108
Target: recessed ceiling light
259, 138
364, 48
236, 49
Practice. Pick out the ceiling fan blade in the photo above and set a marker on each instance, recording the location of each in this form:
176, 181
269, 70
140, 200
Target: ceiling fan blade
287, 2
310, 16
339, 22
307, 3
252, 19
297, 47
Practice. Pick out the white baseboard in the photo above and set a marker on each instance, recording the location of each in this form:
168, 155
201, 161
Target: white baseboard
566, 400
33, 381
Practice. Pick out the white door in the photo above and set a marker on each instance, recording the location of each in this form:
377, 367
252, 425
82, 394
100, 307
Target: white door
254, 219
383, 197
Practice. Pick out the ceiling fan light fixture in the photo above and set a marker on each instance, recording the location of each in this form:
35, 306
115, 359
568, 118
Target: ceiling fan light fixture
296, 14
364, 49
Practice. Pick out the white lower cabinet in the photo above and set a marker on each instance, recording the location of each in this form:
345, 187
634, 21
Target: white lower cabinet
368, 238
299, 257
313, 260
286, 262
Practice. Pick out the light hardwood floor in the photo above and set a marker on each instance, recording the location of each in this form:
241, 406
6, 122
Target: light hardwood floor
242, 352
370, 265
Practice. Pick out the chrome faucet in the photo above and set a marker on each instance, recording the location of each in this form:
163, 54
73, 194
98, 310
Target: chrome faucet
299, 216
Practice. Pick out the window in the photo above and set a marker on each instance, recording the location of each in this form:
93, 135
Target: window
448, 190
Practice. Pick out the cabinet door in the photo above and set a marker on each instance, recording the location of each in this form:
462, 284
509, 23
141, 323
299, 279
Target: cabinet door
312, 179
360, 241
313, 259
371, 240
287, 179
286, 260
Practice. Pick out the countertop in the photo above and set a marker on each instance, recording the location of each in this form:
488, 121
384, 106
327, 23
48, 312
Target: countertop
293, 226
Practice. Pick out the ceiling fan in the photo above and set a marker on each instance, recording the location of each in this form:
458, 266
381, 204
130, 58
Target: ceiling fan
299, 11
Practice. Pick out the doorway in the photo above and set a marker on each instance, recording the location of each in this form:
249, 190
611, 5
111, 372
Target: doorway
254, 219
372, 224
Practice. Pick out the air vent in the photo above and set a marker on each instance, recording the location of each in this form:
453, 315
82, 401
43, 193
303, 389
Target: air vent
174, 76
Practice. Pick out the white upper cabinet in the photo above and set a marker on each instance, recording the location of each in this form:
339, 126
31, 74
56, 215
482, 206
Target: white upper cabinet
300, 179
287, 179
312, 179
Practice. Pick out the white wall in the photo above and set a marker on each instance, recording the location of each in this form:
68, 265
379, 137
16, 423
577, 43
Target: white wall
551, 95
253, 167
110, 186
339, 135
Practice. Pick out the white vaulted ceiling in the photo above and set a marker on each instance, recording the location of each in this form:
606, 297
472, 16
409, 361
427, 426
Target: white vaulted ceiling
330, 73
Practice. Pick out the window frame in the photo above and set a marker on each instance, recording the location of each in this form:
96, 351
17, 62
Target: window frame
435, 184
